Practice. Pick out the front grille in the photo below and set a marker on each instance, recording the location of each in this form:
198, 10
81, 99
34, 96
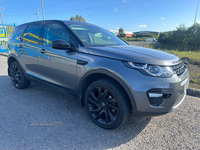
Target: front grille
179, 68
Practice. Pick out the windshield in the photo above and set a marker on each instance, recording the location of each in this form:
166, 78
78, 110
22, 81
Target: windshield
95, 36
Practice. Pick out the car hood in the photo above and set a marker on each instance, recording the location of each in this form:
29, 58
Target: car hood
135, 54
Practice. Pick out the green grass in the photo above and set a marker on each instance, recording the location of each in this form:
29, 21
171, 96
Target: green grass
194, 70
194, 81
190, 54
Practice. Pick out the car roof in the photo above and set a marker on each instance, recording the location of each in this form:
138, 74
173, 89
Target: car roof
61, 21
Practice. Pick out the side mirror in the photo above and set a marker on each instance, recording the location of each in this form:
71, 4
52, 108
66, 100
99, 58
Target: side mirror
61, 44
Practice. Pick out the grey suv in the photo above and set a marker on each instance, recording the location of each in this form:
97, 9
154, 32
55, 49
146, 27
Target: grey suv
109, 77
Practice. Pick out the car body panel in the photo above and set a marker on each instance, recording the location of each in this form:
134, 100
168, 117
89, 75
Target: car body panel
58, 66
146, 83
135, 54
29, 55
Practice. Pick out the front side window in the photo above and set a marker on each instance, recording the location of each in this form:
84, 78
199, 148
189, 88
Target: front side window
32, 34
95, 36
54, 31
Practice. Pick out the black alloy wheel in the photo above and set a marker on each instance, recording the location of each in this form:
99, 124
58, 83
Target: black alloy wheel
107, 104
103, 105
17, 76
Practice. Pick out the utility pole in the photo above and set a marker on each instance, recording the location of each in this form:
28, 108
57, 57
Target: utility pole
1, 15
37, 14
89, 17
42, 9
196, 12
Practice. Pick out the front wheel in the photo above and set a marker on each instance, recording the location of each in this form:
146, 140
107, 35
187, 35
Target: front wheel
107, 104
17, 76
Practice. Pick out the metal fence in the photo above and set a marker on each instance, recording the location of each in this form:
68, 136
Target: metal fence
5, 33
144, 44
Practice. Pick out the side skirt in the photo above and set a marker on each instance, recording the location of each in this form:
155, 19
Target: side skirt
54, 86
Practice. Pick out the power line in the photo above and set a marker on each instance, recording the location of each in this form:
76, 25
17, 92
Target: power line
90, 8
103, 6
9, 1
46, 5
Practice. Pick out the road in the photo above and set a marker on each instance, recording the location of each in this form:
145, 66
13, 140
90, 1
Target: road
177, 130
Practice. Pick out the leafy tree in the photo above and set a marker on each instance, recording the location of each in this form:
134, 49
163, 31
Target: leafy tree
182, 38
121, 32
72, 18
163, 37
77, 18
194, 36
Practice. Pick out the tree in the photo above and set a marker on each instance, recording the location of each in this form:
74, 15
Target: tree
163, 37
194, 36
121, 33
72, 18
182, 38
77, 18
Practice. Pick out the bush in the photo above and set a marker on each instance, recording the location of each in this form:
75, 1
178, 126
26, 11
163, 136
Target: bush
181, 39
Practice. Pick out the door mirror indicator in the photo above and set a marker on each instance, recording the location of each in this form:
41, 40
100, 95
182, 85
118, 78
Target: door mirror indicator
61, 44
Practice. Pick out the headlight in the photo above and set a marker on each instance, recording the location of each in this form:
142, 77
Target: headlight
151, 70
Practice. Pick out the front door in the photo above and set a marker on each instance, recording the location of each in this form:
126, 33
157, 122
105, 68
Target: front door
54, 65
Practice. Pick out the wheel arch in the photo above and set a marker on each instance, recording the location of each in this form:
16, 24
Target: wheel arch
97, 74
11, 59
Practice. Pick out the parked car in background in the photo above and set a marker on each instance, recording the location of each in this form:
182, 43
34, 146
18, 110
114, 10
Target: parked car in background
150, 39
110, 78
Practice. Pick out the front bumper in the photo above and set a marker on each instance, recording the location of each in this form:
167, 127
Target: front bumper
140, 84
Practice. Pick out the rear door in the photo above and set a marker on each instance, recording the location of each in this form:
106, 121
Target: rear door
15, 40
31, 40
57, 66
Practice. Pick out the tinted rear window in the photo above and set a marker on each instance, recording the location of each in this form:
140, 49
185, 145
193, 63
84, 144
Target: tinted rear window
17, 32
32, 34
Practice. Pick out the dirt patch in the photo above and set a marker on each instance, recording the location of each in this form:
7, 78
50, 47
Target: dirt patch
191, 61
187, 60
194, 71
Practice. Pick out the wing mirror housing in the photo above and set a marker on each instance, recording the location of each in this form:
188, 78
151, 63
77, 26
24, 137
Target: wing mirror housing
61, 44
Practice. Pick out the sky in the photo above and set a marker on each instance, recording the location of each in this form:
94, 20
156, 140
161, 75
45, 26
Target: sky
131, 15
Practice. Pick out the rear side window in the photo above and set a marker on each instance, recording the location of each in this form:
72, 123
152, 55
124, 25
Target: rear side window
17, 32
32, 34
54, 31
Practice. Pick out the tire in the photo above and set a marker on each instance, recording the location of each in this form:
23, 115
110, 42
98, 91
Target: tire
107, 104
17, 77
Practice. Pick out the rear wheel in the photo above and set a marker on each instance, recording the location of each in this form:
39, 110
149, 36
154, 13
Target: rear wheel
107, 104
17, 76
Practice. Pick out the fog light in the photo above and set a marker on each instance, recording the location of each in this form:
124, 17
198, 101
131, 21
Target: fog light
155, 95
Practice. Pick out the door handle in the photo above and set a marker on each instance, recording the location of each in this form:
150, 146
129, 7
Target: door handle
42, 51
20, 46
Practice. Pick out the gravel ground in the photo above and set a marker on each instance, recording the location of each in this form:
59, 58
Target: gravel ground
177, 130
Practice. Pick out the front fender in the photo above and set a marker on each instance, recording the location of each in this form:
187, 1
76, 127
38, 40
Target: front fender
112, 75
